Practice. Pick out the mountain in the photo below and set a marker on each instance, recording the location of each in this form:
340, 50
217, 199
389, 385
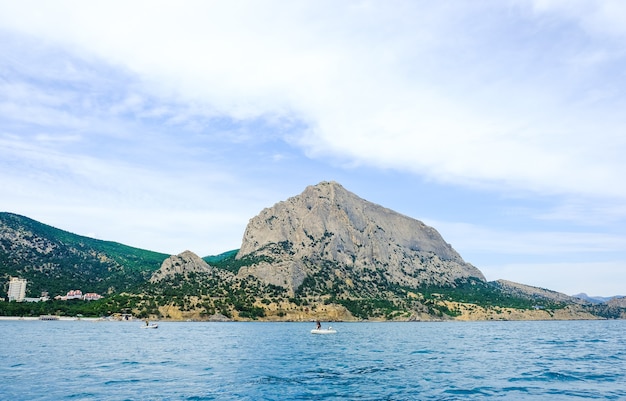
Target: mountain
327, 245
57, 261
324, 254
595, 299
530, 292
189, 288
330, 231
182, 264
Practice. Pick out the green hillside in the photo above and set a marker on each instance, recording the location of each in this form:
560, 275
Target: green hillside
57, 261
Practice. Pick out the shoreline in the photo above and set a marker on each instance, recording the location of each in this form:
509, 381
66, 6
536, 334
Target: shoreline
59, 318
100, 319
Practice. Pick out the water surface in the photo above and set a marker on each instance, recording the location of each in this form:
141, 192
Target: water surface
86, 360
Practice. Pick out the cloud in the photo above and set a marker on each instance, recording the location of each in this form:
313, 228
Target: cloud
604, 18
483, 239
564, 261
161, 209
433, 89
582, 212
157, 123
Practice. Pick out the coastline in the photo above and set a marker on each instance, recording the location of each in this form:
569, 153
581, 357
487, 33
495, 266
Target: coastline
59, 318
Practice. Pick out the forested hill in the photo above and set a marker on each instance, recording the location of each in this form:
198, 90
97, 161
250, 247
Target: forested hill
324, 254
56, 261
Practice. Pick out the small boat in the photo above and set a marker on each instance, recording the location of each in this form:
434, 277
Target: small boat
329, 330
150, 326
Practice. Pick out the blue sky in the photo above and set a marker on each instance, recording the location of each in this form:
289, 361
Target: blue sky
167, 125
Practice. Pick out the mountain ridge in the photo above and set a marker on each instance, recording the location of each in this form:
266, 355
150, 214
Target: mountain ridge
596, 299
47, 256
323, 254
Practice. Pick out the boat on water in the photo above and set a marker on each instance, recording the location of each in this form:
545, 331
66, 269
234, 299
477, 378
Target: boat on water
329, 330
150, 326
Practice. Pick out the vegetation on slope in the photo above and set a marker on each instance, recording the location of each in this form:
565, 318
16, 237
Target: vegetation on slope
57, 261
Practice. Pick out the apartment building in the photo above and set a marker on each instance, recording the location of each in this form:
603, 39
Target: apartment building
17, 289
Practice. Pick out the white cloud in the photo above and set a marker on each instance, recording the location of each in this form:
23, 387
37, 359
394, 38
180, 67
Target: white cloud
182, 205
123, 104
429, 89
599, 17
587, 213
568, 262
483, 239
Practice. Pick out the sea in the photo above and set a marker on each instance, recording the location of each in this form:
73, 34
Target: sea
100, 360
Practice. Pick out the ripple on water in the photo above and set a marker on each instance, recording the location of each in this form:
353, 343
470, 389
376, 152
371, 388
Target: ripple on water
275, 361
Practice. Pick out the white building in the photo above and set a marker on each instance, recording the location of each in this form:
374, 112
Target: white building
78, 294
17, 289
92, 296
74, 294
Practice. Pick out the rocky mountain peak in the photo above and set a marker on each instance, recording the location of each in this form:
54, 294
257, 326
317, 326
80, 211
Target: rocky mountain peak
182, 263
327, 223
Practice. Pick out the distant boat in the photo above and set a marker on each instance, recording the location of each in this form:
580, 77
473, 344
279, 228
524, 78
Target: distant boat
150, 326
329, 330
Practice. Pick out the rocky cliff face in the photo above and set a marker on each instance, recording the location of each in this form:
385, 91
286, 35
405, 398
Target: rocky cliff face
184, 263
327, 224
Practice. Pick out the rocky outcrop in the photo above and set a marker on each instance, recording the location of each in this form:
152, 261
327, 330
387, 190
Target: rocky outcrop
328, 224
530, 292
21, 242
183, 264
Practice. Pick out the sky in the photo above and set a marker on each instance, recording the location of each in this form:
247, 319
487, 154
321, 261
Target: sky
168, 125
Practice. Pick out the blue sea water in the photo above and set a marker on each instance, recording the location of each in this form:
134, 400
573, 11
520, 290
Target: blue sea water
87, 360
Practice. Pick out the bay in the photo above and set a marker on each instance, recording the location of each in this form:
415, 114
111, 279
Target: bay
88, 360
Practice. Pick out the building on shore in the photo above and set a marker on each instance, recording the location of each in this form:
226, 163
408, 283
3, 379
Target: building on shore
92, 296
78, 294
17, 289
74, 294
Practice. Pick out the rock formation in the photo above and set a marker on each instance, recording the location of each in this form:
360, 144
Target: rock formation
328, 224
183, 263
